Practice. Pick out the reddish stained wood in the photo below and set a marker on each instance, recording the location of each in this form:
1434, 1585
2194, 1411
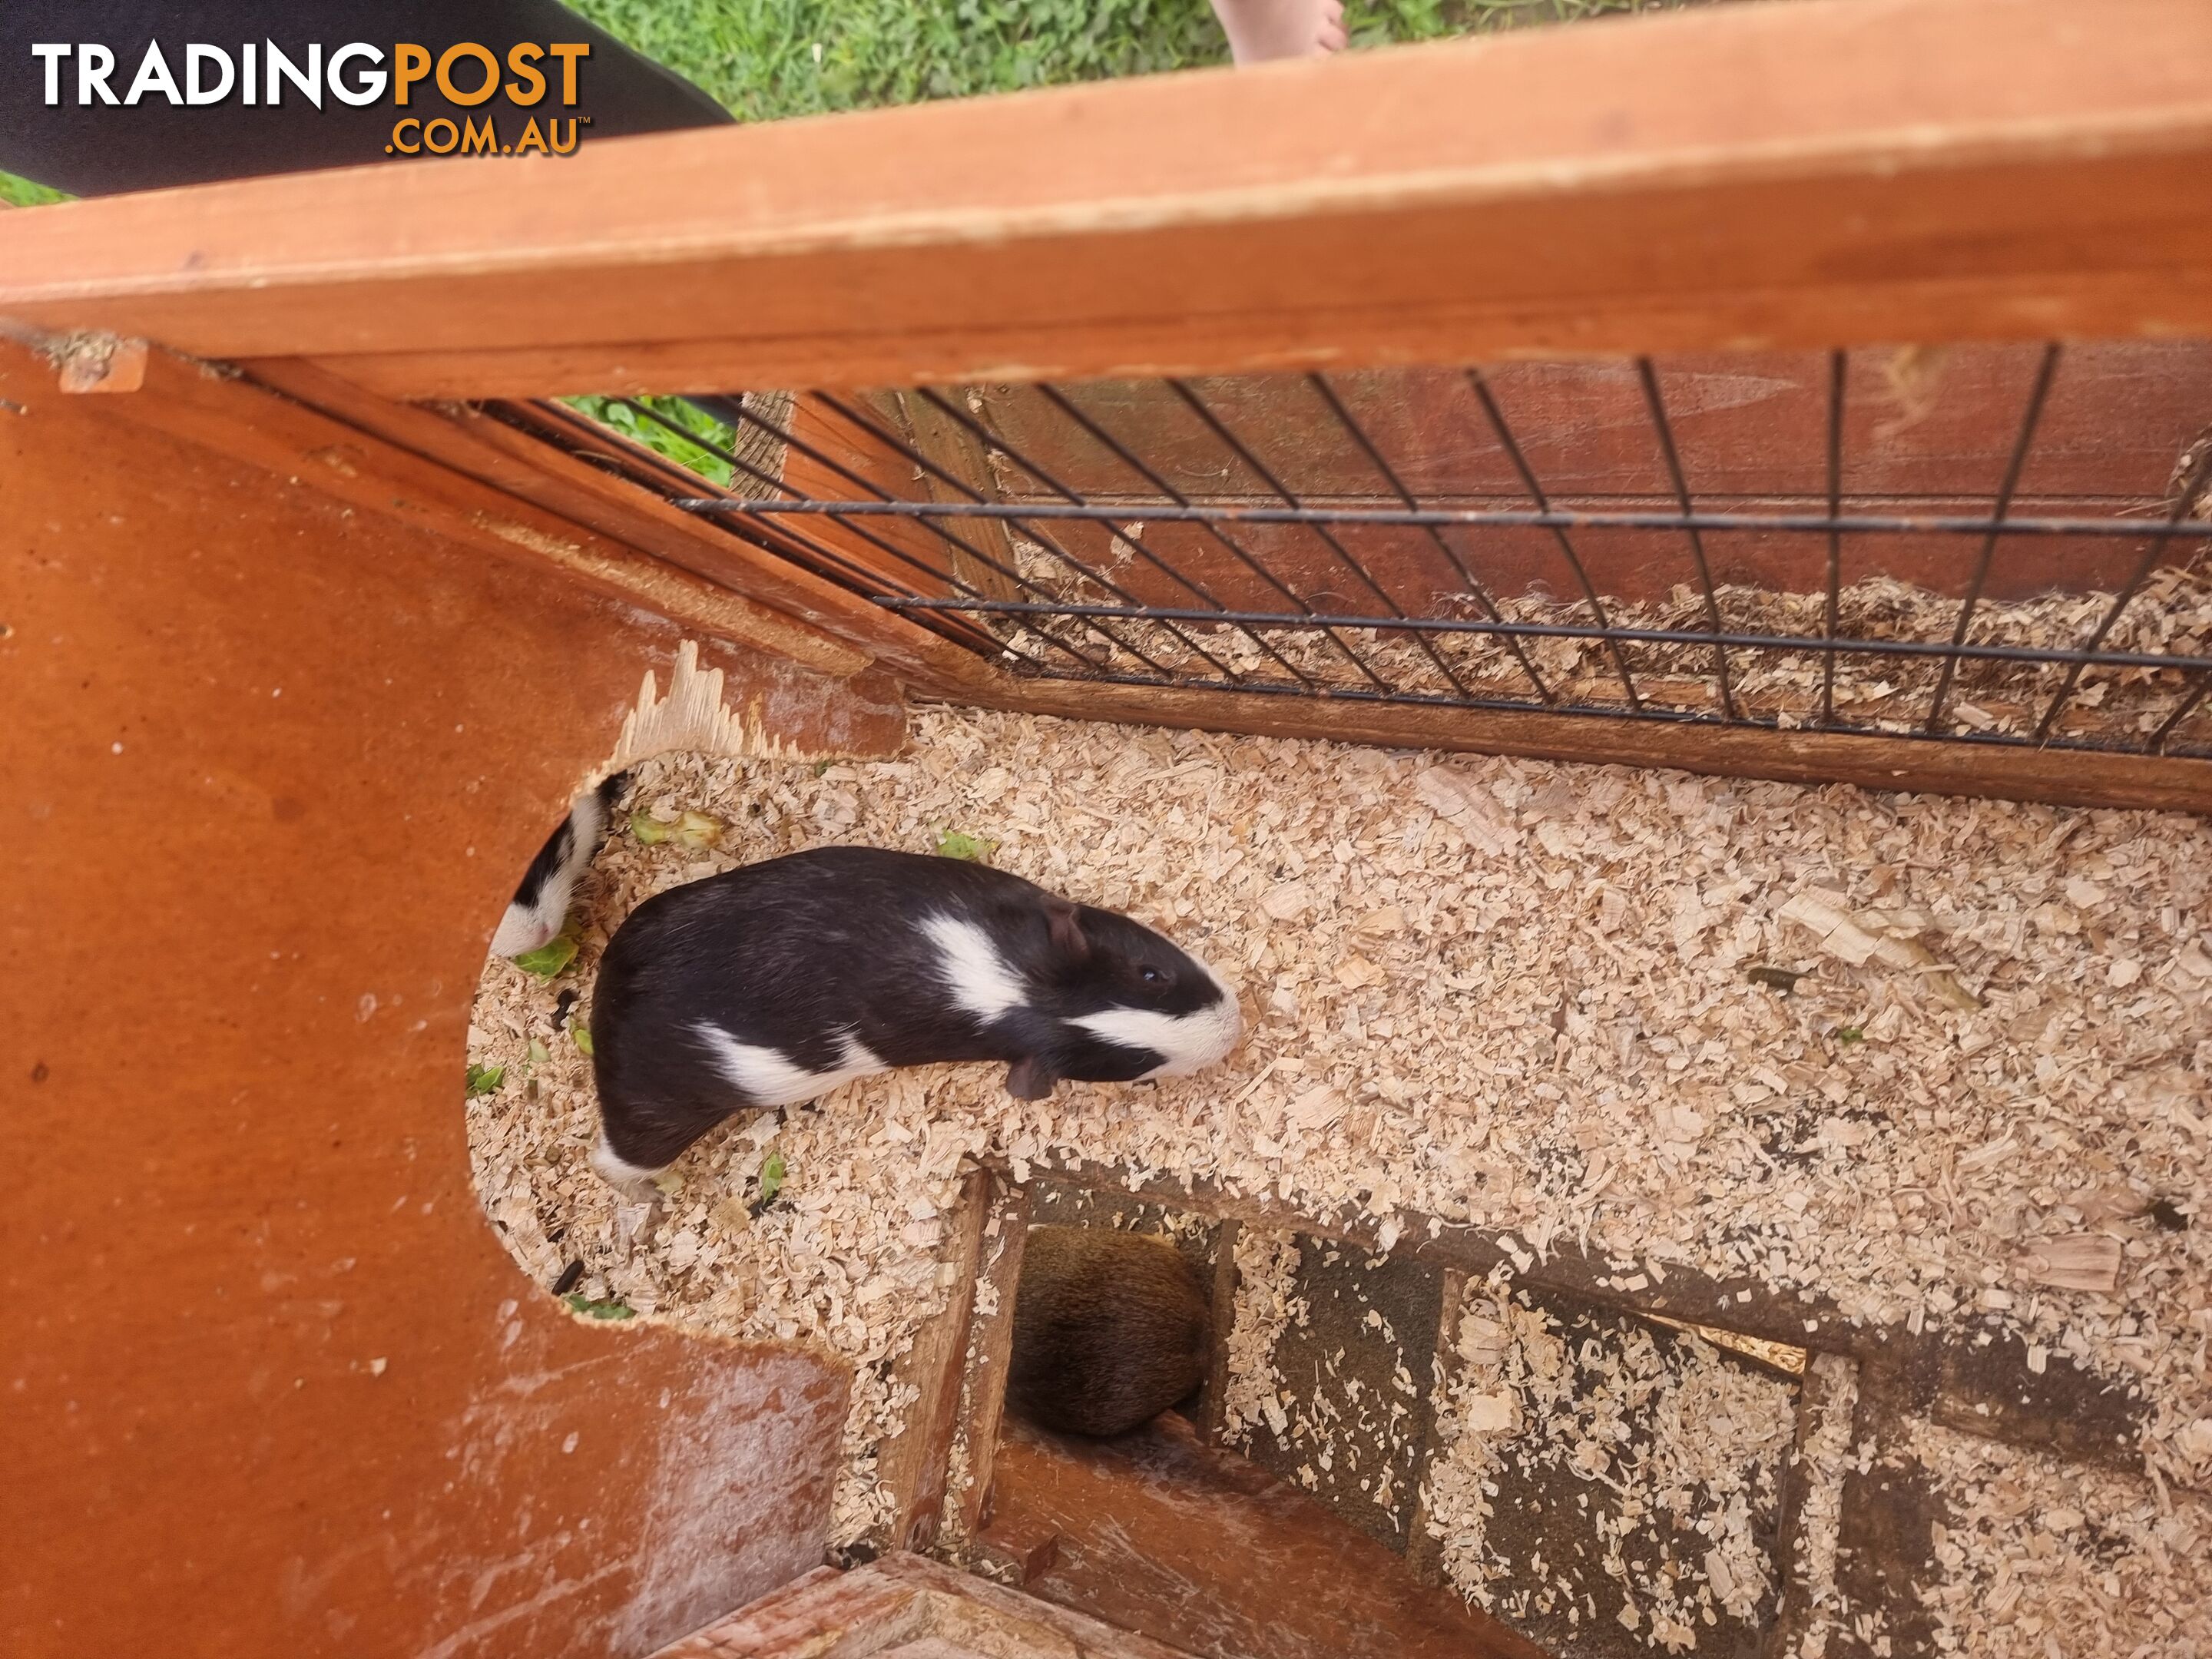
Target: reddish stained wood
290, 441
1635, 565
519, 464
824, 1610
276, 1386
1087, 1635
1023, 1557
2065, 777
1840, 171
1923, 434
1916, 424
990, 1351
953, 467
906, 555
1200, 1549
913, 1464
907, 1605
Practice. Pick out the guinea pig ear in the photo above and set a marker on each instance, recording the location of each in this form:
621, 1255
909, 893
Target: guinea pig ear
1031, 1078
1064, 929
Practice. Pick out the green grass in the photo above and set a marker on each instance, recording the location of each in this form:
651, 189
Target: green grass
616, 414
21, 193
767, 59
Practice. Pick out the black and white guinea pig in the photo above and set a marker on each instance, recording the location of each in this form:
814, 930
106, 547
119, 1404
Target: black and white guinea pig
768, 985
539, 909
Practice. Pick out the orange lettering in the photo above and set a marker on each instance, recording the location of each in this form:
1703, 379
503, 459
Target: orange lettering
482, 55
410, 63
568, 53
520, 59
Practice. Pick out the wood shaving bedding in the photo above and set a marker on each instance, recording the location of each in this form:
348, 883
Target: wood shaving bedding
1507, 994
1667, 1440
2043, 1558
1267, 1269
1826, 1454
2172, 615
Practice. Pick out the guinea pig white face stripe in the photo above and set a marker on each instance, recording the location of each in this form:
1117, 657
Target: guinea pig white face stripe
1186, 1042
982, 982
767, 1077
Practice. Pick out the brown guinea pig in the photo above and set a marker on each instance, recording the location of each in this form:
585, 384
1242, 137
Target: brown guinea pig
1109, 1330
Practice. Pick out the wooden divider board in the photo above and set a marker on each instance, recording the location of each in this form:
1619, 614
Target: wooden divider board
2063, 777
907, 1606
1835, 172
276, 749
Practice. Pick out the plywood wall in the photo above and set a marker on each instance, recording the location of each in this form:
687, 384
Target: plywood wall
273, 757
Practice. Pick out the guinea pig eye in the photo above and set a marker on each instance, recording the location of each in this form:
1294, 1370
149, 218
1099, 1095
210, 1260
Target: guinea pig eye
1151, 976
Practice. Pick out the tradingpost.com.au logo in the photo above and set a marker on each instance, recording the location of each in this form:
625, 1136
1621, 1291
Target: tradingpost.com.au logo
355, 73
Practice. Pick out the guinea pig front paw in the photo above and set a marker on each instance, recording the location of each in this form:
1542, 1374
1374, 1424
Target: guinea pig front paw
633, 1183
1031, 1078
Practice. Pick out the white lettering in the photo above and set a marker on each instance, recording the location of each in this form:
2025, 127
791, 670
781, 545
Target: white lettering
94, 63
53, 55
153, 76
310, 81
195, 56
247, 85
373, 82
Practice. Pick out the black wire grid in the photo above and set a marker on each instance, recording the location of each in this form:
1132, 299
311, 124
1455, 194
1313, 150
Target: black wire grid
1024, 568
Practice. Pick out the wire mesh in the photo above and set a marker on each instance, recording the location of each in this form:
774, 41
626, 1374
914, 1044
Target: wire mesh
1994, 544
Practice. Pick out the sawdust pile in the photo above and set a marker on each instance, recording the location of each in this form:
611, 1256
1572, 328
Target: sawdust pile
2042, 1559
1678, 1450
1936, 1060
1267, 1305
1868, 689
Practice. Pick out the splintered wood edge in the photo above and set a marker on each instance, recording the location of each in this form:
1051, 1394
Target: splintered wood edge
694, 716
985, 1366
914, 1465
1782, 1356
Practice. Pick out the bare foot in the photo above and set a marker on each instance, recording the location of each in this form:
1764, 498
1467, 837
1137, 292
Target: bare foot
1262, 29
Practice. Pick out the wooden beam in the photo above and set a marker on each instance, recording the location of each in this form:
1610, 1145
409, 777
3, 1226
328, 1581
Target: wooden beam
1837, 172
1202, 1548
959, 454
990, 1355
522, 467
911, 1608
205, 405
914, 1464
2062, 776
